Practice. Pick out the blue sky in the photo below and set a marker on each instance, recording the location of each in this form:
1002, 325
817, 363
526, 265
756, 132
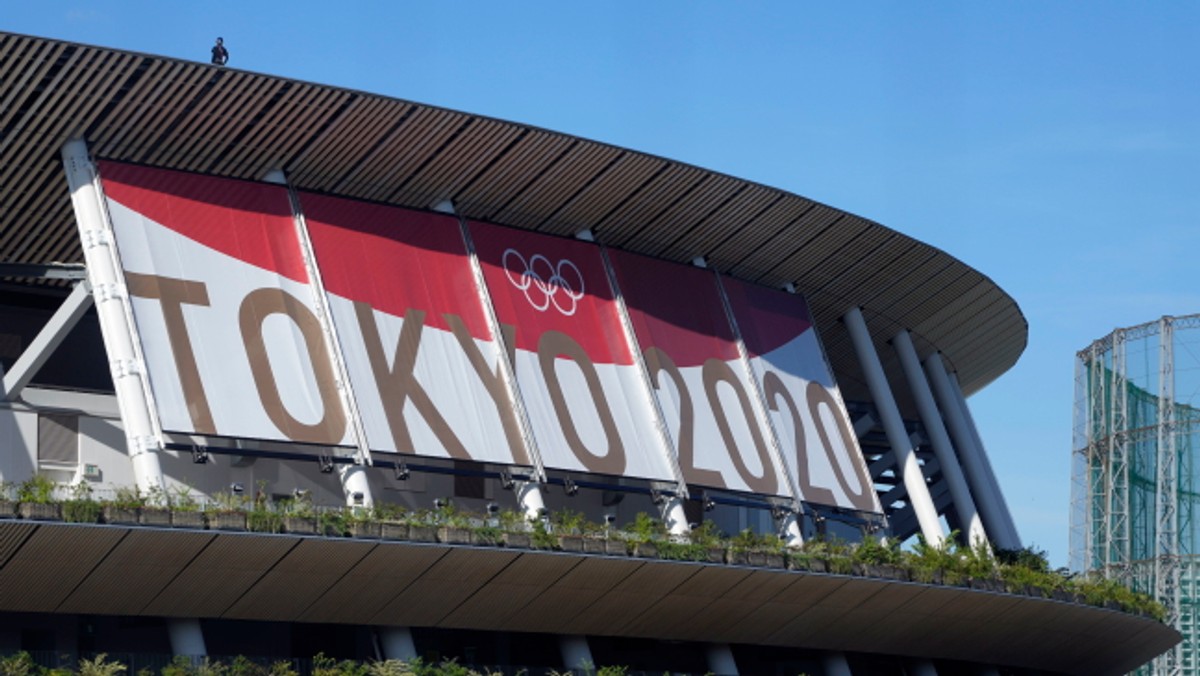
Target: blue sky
1053, 146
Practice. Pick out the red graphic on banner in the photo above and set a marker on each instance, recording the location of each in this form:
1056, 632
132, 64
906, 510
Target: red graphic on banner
540, 283
394, 259
251, 222
676, 308
766, 318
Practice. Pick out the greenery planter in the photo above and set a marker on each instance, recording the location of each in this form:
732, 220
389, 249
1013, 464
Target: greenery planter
454, 535
517, 540
393, 530
422, 533
264, 522
739, 558
645, 550
187, 519
40, 511
369, 530
8, 509
125, 516
300, 525
154, 516
231, 521
82, 511
571, 543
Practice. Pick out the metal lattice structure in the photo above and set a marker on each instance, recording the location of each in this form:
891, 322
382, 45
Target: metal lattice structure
1137, 432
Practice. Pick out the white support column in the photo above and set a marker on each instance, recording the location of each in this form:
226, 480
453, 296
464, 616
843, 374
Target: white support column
952, 473
116, 317
720, 660
674, 517
987, 495
355, 487
397, 643
835, 664
1005, 513
187, 638
529, 497
575, 653
47, 341
893, 427
529, 493
786, 524
673, 513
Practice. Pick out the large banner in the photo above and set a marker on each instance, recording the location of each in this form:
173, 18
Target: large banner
803, 402
238, 343
704, 391
423, 363
584, 392
223, 307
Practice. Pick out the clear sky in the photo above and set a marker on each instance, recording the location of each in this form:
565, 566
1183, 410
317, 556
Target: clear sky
1053, 146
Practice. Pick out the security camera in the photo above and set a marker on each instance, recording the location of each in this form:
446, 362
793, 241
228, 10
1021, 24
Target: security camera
357, 497
610, 519
493, 508
237, 488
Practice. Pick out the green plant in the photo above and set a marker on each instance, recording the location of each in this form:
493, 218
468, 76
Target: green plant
706, 535
128, 497
17, 664
872, 551
512, 521
568, 522
81, 508
181, 498
37, 489
332, 522
226, 501
540, 536
100, 666
645, 528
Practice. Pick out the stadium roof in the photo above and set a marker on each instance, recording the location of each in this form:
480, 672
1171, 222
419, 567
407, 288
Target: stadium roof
191, 116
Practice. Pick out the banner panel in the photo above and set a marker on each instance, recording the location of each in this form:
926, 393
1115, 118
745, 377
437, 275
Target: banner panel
223, 307
423, 363
584, 392
701, 385
803, 401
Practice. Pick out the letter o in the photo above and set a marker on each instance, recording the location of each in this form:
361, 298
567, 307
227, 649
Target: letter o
256, 307
550, 346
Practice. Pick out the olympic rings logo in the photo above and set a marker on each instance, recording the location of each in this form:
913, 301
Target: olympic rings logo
545, 283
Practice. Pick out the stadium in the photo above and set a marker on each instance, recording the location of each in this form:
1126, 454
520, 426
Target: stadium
225, 287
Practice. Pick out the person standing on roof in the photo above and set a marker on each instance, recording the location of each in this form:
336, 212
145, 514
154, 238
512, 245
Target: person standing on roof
220, 54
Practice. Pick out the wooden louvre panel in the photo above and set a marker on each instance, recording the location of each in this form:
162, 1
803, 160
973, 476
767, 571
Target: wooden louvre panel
58, 439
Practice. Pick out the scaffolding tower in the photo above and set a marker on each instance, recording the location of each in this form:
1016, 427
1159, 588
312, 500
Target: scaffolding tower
1136, 431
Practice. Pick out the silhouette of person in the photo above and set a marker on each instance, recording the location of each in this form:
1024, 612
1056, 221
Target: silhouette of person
219, 54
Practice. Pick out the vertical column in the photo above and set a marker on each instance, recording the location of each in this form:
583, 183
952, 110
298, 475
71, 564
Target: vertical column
529, 494
116, 317
1005, 514
720, 660
983, 485
893, 427
397, 643
964, 505
187, 638
835, 664
1166, 549
355, 487
576, 654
